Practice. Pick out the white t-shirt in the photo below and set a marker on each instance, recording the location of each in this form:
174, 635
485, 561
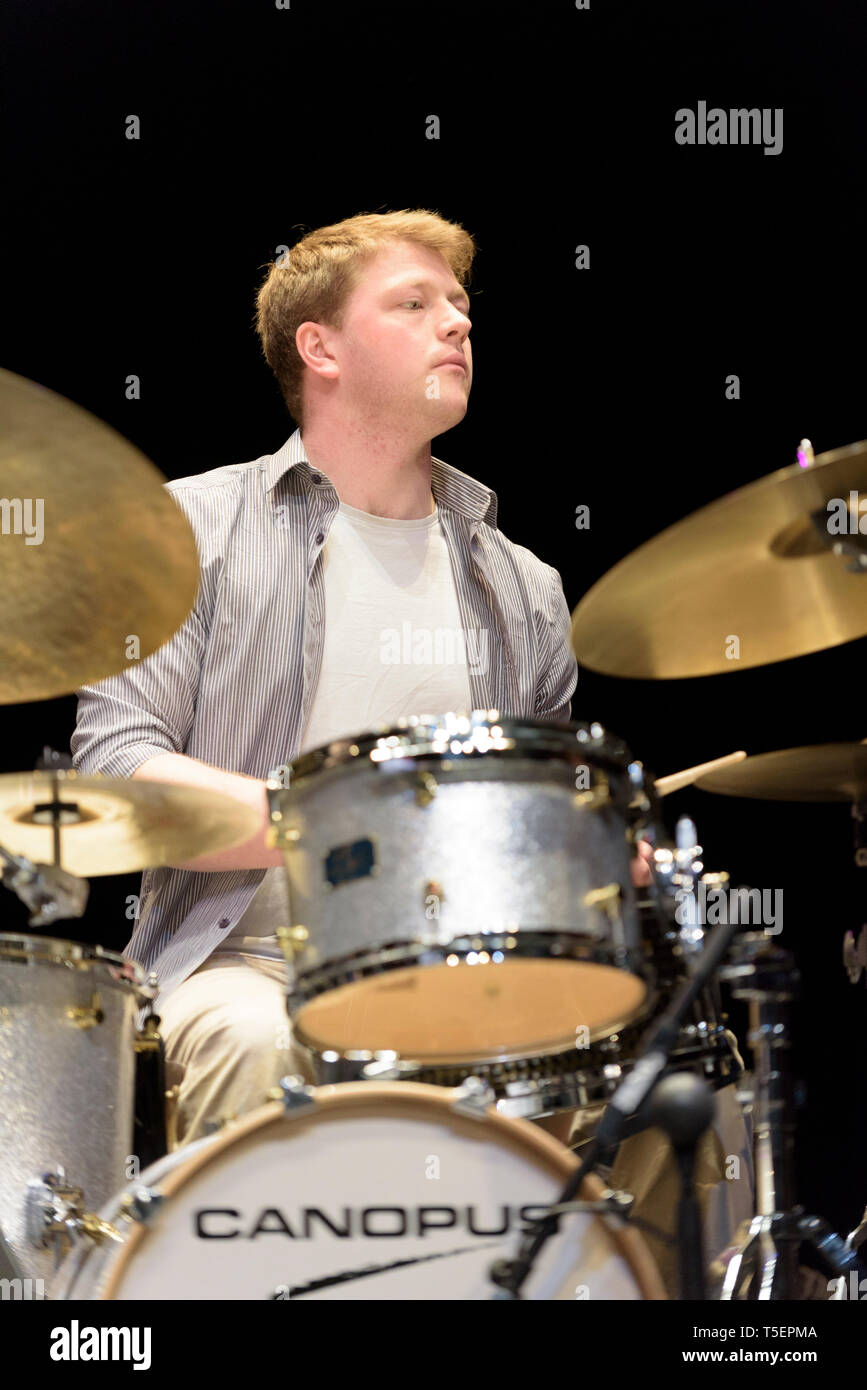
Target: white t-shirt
393, 646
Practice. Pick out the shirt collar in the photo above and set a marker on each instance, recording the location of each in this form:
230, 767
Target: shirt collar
449, 486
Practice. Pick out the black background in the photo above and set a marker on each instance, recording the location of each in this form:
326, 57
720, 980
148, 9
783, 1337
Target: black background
603, 387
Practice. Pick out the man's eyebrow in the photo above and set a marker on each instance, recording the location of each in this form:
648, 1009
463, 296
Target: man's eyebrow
429, 285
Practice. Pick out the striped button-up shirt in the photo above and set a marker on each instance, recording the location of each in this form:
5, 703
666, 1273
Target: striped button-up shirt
235, 684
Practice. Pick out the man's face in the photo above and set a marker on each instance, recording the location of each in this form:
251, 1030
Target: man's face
407, 315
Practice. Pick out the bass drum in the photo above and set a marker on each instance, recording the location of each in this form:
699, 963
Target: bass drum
371, 1191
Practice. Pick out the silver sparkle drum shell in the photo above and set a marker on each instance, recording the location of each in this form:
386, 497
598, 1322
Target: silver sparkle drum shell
67, 1077
460, 887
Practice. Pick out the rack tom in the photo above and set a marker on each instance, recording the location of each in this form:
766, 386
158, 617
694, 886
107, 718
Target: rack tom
460, 888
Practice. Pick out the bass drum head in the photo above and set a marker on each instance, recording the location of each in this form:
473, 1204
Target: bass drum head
373, 1191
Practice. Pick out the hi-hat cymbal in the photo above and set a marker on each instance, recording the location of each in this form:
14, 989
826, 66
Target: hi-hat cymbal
749, 567
98, 565
818, 772
121, 825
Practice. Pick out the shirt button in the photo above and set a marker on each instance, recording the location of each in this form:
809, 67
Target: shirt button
320, 538
317, 477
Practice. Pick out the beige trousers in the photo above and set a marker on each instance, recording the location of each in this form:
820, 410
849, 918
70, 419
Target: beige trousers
228, 1041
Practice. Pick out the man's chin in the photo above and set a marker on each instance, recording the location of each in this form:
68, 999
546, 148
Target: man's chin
445, 418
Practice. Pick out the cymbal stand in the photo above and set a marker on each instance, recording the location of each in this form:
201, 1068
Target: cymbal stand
767, 1265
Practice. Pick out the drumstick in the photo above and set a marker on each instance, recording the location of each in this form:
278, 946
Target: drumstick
676, 780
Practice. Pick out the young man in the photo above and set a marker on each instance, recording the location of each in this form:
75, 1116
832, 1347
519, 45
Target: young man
308, 557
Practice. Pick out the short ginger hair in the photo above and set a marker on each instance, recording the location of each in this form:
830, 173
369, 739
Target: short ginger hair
316, 278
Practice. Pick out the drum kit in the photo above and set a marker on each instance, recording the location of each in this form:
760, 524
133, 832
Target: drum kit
467, 950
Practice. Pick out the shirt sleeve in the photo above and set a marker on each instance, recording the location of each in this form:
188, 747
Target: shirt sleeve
558, 679
147, 709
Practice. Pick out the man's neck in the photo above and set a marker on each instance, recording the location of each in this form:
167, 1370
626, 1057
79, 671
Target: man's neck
372, 471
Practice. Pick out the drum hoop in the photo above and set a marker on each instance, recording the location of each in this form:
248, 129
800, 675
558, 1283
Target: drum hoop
78, 955
406, 1096
412, 739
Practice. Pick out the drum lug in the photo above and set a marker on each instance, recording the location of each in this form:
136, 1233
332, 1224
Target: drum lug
473, 1098
87, 1015
596, 796
295, 1094
292, 940
141, 1205
426, 788
606, 899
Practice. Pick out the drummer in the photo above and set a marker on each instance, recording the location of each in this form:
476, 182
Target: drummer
311, 559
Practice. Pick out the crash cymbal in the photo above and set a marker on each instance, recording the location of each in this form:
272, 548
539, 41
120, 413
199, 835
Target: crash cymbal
120, 825
749, 567
818, 772
98, 565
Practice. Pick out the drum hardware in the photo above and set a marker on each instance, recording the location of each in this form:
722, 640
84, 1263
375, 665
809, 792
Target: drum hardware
426, 788
682, 1106
151, 1138
295, 1094
763, 540
292, 940
55, 1216
87, 1015
50, 892
766, 1266
473, 1098
629, 1099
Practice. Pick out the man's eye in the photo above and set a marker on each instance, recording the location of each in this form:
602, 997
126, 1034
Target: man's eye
411, 301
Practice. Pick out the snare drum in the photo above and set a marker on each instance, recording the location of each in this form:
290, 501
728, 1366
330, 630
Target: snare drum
362, 1191
67, 1080
460, 888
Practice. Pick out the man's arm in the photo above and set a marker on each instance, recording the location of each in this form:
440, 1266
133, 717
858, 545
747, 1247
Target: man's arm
179, 770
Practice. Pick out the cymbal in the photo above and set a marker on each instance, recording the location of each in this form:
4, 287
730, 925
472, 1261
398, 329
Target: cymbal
116, 559
749, 566
675, 781
124, 824
818, 772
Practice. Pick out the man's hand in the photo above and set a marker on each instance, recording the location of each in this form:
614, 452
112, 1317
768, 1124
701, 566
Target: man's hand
641, 866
